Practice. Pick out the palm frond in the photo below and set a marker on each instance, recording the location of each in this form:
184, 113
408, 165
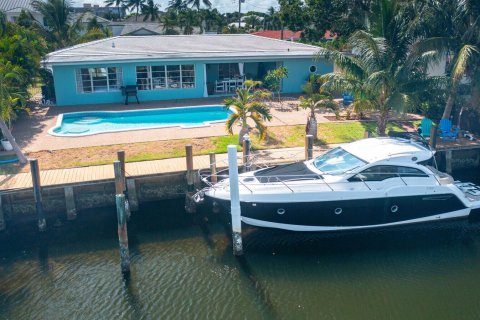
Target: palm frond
466, 54
234, 118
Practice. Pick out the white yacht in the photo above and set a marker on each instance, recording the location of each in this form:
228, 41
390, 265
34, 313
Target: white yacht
370, 183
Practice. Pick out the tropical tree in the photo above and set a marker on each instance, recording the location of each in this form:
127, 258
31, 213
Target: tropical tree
273, 79
315, 99
253, 21
272, 20
117, 3
197, 3
169, 21
3, 23
187, 20
248, 104
151, 11
383, 75
135, 5
60, 31
11, 99
453, 28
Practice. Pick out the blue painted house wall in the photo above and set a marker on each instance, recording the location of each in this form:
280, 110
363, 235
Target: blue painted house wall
66, 88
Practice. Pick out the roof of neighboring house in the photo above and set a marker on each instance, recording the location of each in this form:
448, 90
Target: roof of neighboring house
16, 5
288, 34
277, 34
87, 16
180, 47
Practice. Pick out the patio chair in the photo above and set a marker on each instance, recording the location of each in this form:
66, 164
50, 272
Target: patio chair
219, 86
425, 127
447, 131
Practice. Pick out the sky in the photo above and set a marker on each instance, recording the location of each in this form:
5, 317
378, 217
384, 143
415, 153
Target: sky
221, 5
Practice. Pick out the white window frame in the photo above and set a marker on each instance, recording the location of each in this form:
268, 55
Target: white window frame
167, 87
116, 88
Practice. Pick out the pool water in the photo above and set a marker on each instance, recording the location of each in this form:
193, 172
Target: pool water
93, 122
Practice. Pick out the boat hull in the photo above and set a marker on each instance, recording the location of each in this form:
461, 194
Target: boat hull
349, 214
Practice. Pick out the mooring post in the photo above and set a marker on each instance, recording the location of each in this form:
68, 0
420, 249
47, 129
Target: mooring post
308, 147
132, 194
2, 216
70, 203
213, 168
247, 143
121, 158
366, 134
119, 181
37, 193
122, 233
235, 201
448, 161
190, 206
433, 136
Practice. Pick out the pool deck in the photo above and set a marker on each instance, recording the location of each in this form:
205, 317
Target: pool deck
32, 132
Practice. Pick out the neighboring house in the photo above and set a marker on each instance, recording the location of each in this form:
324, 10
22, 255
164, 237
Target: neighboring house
175, 67
289, 35
141, 28
13, 8
87, 17
100, 11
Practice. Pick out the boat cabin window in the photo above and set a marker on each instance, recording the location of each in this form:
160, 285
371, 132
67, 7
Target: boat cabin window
337, 161
379, 173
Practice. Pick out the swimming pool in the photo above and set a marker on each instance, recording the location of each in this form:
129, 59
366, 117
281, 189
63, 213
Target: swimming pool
92, 122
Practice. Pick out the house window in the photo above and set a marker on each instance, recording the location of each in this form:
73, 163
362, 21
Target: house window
163, 77
313, 68
105, 79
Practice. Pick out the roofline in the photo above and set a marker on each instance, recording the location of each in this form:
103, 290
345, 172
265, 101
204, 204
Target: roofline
47, 64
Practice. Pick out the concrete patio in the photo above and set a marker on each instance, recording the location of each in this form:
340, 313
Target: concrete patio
31, 132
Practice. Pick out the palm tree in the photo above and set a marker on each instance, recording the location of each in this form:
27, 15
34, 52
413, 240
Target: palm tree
454, 35
10, 99
169, 22
248, 105
315, 100
197, 3
176, 5
271, 21
383, 75
187, 20
60, 31
135, 5
118, 3
151, 11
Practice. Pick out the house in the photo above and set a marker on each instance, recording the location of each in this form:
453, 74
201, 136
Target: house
175, 67
289, 35
13, 8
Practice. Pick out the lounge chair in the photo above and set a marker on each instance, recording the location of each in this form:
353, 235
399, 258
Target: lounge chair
425, 127
447, 131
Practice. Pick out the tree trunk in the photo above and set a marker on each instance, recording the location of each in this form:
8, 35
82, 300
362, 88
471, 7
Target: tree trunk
312, 127
243, 132
7, 134
475, 96
448, 107
382, 122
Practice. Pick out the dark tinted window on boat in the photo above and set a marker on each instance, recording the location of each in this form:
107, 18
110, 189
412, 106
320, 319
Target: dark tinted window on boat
379, 173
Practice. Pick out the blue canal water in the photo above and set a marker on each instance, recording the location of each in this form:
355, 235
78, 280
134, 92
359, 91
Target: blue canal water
183, 268
87, 123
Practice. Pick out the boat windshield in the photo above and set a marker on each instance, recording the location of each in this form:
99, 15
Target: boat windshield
337, 161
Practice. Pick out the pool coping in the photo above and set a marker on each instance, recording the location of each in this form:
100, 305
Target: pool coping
59, 121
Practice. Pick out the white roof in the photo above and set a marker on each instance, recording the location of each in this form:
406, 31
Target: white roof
376, 149
15, 5
180, 47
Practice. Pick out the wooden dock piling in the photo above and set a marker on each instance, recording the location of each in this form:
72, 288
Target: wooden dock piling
213, 168
70, 203
37, 193
246, 153
132, 194
235, 201
121, 158
308, 147
122, 233
190, 206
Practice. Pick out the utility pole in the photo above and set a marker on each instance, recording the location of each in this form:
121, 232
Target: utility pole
240, 12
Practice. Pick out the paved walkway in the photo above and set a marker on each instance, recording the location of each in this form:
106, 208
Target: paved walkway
137, 169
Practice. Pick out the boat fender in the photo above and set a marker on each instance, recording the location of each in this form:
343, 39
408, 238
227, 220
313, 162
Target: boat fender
280, 211
394, 208
338, 211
